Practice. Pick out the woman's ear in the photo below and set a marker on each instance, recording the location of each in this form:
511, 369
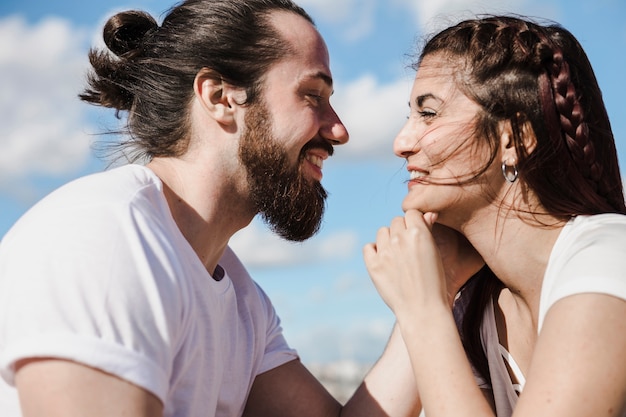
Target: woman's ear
507, 140
507, 143
219, 98
528, 137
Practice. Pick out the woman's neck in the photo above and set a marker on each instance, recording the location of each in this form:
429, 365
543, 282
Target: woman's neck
517, 250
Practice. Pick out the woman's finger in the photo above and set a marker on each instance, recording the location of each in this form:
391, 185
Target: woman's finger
382, 238
415, 218
369, 252
430, 218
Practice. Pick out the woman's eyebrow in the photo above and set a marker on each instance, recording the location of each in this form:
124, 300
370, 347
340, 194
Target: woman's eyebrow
419, 100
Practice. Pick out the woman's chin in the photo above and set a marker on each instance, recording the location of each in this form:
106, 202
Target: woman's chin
414, 201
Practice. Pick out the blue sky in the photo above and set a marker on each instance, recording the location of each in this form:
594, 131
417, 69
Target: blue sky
320, 288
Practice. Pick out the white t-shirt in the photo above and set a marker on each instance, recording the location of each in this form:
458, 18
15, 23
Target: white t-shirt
99, 273
589, 256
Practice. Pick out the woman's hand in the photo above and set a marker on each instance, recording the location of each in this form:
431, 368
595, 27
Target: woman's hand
414, 248
405, 264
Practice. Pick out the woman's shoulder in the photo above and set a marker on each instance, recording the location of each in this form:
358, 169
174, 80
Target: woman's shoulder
598, 228
598, 221
588, 257
591, 235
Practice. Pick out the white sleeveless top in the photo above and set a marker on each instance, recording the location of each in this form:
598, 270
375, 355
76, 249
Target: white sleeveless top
505, 392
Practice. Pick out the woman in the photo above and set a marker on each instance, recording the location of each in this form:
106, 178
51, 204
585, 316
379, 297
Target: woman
508, 143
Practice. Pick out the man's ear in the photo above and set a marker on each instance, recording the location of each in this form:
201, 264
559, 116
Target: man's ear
219, 98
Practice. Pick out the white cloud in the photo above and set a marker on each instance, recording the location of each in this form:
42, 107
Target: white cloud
257, 247
42, 68
362, 22
347, 284
330, 10
373, 113
435, 15
355, 17
363, 341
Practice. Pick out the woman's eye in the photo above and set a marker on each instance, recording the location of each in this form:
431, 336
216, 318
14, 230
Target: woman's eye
427, 114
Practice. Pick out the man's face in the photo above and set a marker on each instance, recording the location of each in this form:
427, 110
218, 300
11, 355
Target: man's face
291, 204
290, 131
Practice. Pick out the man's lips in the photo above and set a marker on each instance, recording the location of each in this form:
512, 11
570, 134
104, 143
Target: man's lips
315, 160
320, 147
315, 152
316, 157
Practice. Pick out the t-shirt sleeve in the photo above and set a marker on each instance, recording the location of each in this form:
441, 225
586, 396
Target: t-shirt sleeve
276, 350
94, 286
589, 258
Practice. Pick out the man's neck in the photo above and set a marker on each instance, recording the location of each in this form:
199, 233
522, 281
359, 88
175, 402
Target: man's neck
205, 207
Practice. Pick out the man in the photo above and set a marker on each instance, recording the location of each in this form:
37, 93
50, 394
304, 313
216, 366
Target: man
119, 294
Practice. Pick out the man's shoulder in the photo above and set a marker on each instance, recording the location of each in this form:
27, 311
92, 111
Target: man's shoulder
118, 183
92, 204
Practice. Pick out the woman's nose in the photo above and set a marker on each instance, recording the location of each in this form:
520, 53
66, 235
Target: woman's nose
405, 144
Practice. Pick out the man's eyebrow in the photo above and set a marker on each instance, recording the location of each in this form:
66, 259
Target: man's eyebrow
328, 80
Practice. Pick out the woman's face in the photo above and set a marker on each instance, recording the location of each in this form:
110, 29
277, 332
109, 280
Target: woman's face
438, 143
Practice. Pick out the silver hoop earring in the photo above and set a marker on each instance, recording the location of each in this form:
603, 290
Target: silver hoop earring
509, 172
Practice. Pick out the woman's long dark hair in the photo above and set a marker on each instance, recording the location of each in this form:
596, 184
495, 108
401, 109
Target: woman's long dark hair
537, 76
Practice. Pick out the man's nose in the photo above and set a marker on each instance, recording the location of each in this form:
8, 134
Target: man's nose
333, 129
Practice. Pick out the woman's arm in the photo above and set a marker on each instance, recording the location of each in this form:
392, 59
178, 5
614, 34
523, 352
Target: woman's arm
291, 391
389, 386
578, 367
389, 389
406, 266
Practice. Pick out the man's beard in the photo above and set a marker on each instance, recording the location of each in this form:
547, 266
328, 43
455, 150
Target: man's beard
290, 205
